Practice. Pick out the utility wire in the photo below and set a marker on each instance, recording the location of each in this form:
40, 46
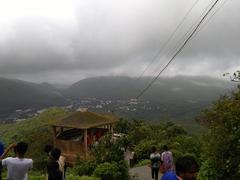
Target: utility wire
179, 42
210, 18
204, 23
178, 51
168, 40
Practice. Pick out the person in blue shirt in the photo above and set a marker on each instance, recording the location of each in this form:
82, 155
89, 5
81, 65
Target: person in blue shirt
187, 168
168, 174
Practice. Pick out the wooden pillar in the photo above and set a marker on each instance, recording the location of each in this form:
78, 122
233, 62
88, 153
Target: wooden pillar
85, 143
111, 128
92, 136
61, 129
54, 135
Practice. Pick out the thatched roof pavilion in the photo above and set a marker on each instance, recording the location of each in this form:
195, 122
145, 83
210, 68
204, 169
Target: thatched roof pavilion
74, 133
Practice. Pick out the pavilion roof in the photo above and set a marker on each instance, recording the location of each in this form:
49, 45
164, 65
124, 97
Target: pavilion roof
85, 120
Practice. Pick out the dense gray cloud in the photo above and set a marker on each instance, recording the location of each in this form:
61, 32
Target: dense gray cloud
69, 40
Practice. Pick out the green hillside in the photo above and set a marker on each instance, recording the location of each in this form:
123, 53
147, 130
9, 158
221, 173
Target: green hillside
34, 131
165, 90
140, 135
16, 94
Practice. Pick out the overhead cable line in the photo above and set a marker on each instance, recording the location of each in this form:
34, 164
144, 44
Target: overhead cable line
210, 18
178, 51
180, 41
204, 23
168, 40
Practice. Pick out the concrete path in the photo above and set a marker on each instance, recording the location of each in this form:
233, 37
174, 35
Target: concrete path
141, 173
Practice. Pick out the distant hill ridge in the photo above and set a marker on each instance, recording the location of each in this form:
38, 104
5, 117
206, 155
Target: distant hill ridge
17, 94
197, 88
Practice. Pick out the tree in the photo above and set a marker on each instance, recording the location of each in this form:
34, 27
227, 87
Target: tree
235, 77
222, 141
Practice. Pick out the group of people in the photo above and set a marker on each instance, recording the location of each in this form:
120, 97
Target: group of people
18, 166
185, 168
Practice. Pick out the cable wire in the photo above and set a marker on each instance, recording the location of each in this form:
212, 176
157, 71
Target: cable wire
179, 42
178, 51
168, 40
210, 18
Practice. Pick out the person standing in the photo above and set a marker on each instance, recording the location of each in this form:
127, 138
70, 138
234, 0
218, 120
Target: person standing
167, 159
17, 166
61, 160
167, 174
53, 170
155, 163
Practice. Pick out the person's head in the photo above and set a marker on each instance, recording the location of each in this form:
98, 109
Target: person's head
21, 148
187, 168
154, 149
165, 148
55, 153
48, 148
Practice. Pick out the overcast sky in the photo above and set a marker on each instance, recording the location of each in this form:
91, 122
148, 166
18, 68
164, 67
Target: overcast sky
63, 41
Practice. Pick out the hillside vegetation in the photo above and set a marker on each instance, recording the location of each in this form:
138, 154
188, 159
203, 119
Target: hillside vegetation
16, 94
108, 154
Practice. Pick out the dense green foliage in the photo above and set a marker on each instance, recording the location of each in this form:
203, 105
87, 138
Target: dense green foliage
84, 167
106, 171
142, 136
108, 149
112, 171
222, 141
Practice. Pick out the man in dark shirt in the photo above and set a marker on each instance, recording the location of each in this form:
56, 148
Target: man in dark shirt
53, 167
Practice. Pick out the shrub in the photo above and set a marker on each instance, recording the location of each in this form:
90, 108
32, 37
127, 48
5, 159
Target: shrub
123, 170
143, 149
207, 171
84, 167
106, 171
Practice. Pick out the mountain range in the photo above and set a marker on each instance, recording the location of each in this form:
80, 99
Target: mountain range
184, 88
177, 94
17, 94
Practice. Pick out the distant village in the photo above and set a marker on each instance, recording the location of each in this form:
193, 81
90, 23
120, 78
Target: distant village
93, 104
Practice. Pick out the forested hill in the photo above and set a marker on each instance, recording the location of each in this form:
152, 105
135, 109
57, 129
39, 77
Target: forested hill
176, 97
181, 88
16, 94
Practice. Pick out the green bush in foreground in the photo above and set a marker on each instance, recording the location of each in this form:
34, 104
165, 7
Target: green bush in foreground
106, 171
84, 167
